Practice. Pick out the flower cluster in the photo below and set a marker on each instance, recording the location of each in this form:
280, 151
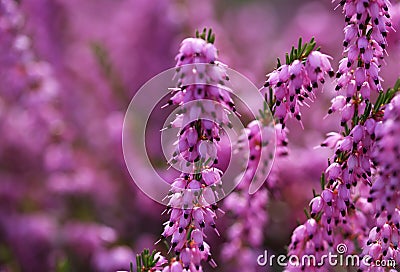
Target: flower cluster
200, 122
285, 91
293, 83
383, 238
193, 194
245, 236
357, 76
342, 204
368, 23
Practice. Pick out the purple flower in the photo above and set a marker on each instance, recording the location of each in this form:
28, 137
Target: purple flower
336, 207
293, 83
192, 201
382, 243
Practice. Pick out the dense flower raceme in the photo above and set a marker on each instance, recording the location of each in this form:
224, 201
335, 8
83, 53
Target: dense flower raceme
245, 235
383, 239
342, 202
293, 83
288, 87
368, 23
192, 199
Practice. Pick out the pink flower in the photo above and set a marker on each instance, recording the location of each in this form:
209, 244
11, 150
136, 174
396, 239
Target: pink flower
192, 202
293, 83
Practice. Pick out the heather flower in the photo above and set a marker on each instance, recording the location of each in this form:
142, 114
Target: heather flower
337, 208
357, 78
383, 238
292, 83
247, 232
285, 91
192, 198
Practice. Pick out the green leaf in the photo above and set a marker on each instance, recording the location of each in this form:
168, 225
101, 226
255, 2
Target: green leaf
291, 59
308, 50
296, 54
206, 35
378, 102
279, 63
322, 181
367, 112
397, 85
314, 193
299, 45
306, 213
138, 263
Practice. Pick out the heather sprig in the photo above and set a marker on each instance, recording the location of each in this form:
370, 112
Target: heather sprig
149, 262
341, 206
291, 84
383, 237
352, 160
192, 197
285, 91
337, 214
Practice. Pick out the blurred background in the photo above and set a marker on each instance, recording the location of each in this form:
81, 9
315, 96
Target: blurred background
68, 71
